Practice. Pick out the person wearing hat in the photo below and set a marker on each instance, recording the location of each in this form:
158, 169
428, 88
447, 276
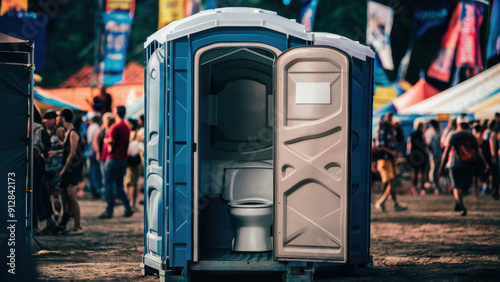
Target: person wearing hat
465, 154
53, 165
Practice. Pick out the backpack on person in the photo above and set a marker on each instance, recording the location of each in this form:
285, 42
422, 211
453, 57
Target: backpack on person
466, 153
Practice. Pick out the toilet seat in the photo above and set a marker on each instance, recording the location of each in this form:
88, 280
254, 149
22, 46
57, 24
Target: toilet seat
251, 203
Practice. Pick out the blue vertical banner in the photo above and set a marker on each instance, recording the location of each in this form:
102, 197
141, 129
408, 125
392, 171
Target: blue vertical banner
428, 15
118, 17
308, 13
210, 4
493, 48
28, 26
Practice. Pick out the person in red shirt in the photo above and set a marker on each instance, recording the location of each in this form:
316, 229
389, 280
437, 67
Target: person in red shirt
116, 144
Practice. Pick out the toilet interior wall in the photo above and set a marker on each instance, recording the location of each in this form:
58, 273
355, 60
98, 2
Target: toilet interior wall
235, 125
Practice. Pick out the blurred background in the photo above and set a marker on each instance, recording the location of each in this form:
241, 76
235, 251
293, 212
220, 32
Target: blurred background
424, 46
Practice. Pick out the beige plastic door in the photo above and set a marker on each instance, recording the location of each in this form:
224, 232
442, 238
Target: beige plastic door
311, 159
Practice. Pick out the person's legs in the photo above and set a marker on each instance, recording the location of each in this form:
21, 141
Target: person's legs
423, 177
461, 179
458, 194
385, 194
110, 175
495, 183
387, 174
45, 199
475, 186
65, 206
134, 195
94, 177
73, 202
131, 179
414, 179
435, 173
120, 174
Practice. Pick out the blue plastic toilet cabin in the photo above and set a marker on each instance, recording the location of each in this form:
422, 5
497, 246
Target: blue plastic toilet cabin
234, 86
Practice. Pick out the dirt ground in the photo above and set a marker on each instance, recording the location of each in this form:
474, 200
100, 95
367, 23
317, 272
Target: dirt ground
428, 242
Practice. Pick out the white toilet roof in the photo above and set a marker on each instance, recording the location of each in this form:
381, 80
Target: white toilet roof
230, 17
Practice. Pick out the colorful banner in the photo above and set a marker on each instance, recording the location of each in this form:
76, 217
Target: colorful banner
28, 26
117, 26
124, 6
210, 4
428, 14
440, 68
379, 76
192, 7
378, 31
308, 13
169, 11
493, 48
468, 58
13, 5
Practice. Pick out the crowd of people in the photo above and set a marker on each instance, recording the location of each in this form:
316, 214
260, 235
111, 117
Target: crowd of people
98, 154
462, 156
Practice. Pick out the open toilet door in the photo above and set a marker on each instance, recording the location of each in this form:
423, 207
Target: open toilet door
311, 155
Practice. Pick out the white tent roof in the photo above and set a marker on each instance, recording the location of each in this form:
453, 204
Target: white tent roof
488, 107
462, 97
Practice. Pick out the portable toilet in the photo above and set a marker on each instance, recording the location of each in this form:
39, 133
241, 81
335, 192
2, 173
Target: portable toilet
257, 148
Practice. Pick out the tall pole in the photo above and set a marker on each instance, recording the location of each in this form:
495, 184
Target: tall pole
29, 191
97, 42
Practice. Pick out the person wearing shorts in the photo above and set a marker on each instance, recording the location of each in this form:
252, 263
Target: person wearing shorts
386, 144
461, 168
73, 153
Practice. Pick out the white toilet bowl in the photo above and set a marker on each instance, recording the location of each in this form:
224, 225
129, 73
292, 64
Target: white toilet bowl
252, 218
249, 189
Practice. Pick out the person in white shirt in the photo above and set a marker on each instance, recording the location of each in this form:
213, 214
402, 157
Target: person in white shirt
94, 171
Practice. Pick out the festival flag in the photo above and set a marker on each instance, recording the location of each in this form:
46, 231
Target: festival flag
13, 5
440, 67
379, 76
123, 6
468, 58
378, 31
210, 4
308, 13
493, 48
428, 14
192, 7
28, 26
169, 11
118, 17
